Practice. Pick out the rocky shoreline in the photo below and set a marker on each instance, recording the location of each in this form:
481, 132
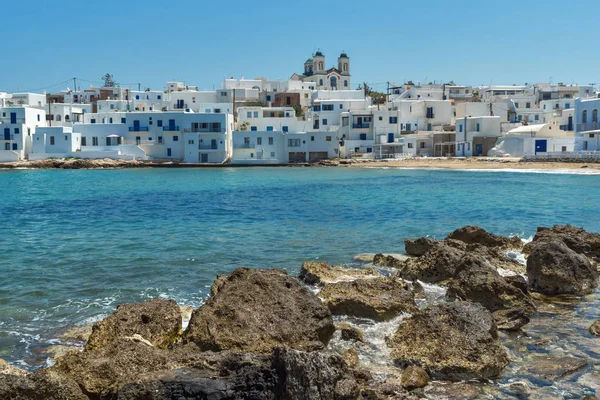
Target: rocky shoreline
263, 334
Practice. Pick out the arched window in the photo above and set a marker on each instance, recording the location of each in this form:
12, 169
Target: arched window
595, 115
333, 82
320, 65
345, 83
321, 82
584, 117
58, 117
67, 117
345, 67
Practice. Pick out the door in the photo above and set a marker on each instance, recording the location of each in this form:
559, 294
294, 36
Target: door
13, 118
478, 149
138, 139
171, 124
168, 152
570, 124
390, 138
213, 144
204, 157
136, 126
540, 146
6, 133
14, 146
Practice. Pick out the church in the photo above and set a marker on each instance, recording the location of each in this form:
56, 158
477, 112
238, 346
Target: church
327, 79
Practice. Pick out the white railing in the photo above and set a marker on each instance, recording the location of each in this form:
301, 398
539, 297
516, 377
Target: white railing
567, 154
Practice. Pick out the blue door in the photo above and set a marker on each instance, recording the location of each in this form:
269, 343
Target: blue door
478, 149
168, 152
540, 146
13, 118
570, 124
390, 138
204, 158
14, 146
6, 133
136, 126
172, 125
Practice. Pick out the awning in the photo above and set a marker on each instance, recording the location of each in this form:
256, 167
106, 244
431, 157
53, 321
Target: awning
113, 135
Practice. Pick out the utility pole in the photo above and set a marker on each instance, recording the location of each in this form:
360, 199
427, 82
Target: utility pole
74, 87
491, 110
139, 87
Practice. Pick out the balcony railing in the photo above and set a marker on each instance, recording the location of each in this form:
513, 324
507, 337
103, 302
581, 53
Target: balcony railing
7, 138
430, 115
171, 128
138, 129
364, 125
590, 126
244, 146
207, 147
7, 120
566, 127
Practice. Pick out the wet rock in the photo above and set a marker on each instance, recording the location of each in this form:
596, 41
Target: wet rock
454, 341
552, 368
419, 246
314, 375
510, 320
455, 391
520, 390
414, 377
350, 332
319, 273
382, 260
57, 351
7, 369
77, 333
474, 234
380, 299
577, 239
435, 266
496, 257
517, 281
477, 281
351, 357
42, 384
388, 390
553, 268
595, 328
258, 310
157, 320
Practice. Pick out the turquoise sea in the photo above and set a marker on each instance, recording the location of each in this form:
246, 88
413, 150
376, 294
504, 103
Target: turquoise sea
74, 244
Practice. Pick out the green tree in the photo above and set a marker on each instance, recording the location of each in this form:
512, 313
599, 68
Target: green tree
297, 109
109, 81
377, 97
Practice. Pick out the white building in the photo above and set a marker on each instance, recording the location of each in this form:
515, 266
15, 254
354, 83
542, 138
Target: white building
529, 140
334, 78
17, 124
587, 124
475, 136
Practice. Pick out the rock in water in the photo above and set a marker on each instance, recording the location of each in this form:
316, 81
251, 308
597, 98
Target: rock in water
517, 281
157, 320
414, 377
577, 239
437, 265
381, 260
319, 273
380, 299
553, 268
258, 310
419, 246
454, 341
349, 332
510, 320
474, 234
476, 280
595, 328
552, 368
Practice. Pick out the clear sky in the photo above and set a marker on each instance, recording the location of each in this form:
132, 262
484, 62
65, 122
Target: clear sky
473, 42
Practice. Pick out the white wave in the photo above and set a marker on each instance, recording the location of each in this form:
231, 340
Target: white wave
555, 171
517, 256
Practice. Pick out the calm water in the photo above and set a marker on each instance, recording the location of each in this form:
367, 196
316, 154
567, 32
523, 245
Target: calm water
74, 244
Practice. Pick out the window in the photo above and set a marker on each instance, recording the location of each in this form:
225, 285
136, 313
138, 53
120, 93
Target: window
422, 145
327, 107
259, 140
345, 121
255, 114
137, 96
328, 138
284, 128
293, 142
66, 137
190, 141
269, 129
93, 121
341, 106
567, 106
324, 121
393, 120
316, 108
159, 123
429, 112
312, 138
38, 117
249, 114
592, 135
149, 121
595, 115
537, 117
83, 141
272, 154
247, 140
58, 118
410, 145
363, 136
268, 97
477, 127
253, 128
160, 139
159, 97
16, 131
516, 105
381, 118
94, 140
176, 138
123, 120
584, 117
110, 120
527, 105
321, 82
564, 148
460, 127
271, 141
51, 140
345, 83
193, 99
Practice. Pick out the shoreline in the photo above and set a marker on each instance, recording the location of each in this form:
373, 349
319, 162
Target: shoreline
432, 163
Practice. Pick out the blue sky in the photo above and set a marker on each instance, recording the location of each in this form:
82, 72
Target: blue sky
471, 42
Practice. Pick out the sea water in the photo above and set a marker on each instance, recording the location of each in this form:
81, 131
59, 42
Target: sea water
74, 244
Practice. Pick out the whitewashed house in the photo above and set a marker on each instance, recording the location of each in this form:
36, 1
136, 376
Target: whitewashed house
55, 142
587, 124
17, 125
529, 140
475, 136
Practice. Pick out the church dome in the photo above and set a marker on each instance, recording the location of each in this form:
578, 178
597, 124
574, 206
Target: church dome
309, 61
343, 55
319, 54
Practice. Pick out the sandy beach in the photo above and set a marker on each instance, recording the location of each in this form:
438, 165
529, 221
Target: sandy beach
484, 163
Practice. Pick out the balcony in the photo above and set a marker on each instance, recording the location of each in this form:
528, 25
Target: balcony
568, 127
138, 129
244, 146
7, 138
590, 126
364, 125
171, 128
7, 120
430, 115
208, 147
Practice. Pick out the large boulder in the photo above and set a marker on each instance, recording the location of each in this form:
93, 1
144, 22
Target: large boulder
553, 268
156, 320
454, 341
42, 384
380, 299
259, 310
510, 320
387, 261
477, 281
577, 239
474, 234
437, 265
320, 273
496, 257
419, 246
